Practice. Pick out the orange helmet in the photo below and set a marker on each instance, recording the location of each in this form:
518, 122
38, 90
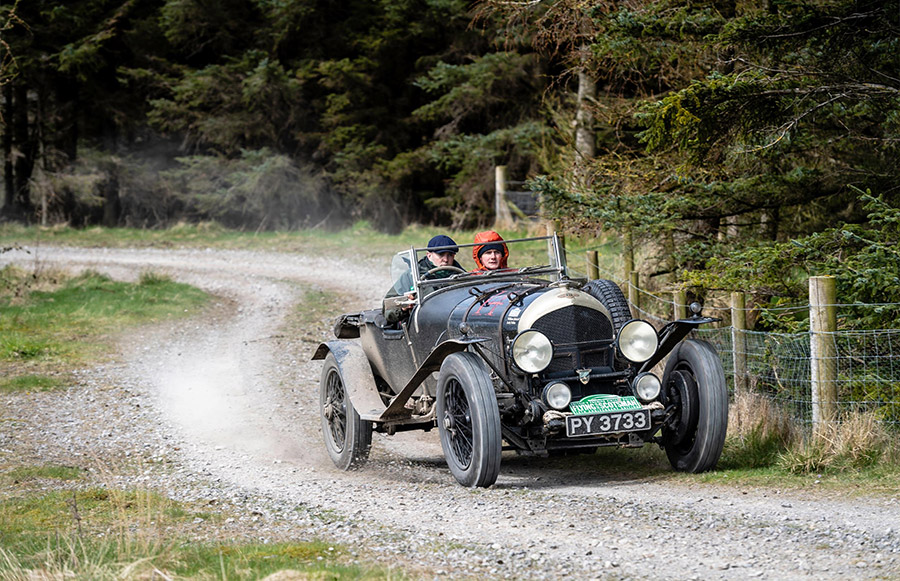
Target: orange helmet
489, 240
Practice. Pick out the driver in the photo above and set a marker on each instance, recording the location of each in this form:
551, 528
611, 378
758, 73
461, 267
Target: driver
441, 252
489, 252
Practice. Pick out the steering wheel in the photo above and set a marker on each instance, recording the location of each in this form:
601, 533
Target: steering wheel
448, 267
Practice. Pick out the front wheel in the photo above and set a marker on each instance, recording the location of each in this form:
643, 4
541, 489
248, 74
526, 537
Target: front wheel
347, 437
468, 420
695, 382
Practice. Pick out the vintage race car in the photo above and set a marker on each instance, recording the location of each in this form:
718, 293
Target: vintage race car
526, 359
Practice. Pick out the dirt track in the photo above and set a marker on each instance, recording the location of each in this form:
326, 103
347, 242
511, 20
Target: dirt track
224, 409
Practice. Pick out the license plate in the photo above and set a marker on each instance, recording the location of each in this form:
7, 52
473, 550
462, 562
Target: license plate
608, 423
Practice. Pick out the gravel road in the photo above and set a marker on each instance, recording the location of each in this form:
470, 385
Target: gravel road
223, 410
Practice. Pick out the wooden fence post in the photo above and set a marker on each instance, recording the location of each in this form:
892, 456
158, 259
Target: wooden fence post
502, 216
823, 350
739, 341
593, 268
681, 308
634, 296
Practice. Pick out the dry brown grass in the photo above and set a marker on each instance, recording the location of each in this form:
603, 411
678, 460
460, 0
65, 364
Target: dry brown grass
855, 441
16, 283
756, 415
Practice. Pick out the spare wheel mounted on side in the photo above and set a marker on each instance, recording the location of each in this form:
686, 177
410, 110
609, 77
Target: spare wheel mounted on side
612, 297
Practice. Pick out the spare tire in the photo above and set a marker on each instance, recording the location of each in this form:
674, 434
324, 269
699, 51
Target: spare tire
612, 297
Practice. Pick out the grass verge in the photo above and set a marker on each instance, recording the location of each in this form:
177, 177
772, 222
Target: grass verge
101, 533
51, 322
765, 448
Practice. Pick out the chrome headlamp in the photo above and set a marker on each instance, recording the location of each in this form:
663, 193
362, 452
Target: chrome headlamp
637, 341
646, 387
532, 351
557, 395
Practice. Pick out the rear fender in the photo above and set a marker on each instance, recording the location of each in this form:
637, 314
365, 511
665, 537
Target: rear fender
359, 381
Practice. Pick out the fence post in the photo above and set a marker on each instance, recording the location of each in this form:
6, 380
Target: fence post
593, 269
822, 349
633, 296
739, 341
502, 216
680, 299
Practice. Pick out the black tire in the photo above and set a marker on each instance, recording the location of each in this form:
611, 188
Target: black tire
695, 382
468, 420
612, 297
347, 437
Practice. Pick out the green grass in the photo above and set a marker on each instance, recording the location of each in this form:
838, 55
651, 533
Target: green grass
49, 321
873, 481
113, 534
22, 474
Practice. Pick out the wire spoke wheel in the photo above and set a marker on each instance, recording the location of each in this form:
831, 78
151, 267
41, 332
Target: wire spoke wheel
334, 409
347, 436
683, 392
468, 420
458, 422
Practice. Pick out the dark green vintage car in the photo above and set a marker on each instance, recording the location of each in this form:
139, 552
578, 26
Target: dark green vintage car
525, 359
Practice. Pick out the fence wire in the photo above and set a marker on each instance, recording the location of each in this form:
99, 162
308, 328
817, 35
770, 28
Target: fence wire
778, 365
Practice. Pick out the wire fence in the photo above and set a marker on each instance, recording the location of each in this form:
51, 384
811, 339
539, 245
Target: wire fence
866, 363
778, 365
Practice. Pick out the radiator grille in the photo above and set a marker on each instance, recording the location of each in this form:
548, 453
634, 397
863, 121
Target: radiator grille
580, 336
574, 324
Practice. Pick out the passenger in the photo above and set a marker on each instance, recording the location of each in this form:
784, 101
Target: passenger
489, 252
441, 252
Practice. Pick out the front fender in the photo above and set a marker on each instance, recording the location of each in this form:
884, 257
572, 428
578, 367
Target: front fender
671, 335
432, 363
359, 381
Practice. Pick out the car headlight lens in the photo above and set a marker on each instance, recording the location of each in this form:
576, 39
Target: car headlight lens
646, 387
557, 395
638, 341
532, 351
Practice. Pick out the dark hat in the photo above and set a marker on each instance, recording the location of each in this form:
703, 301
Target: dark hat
495, 246
443, 244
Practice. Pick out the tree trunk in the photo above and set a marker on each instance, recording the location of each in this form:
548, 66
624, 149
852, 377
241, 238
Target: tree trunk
22, 151
9, 187
768, 223
585, 145
66, 122
112, 205
24, 162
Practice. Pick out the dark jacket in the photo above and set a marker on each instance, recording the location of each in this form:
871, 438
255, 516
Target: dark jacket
425, 265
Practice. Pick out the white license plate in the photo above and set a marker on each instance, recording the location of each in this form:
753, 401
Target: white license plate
608, 423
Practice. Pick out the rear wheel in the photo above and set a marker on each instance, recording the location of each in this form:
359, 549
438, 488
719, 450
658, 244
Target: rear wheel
347, 437
612, 297
695, 382
468, 420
